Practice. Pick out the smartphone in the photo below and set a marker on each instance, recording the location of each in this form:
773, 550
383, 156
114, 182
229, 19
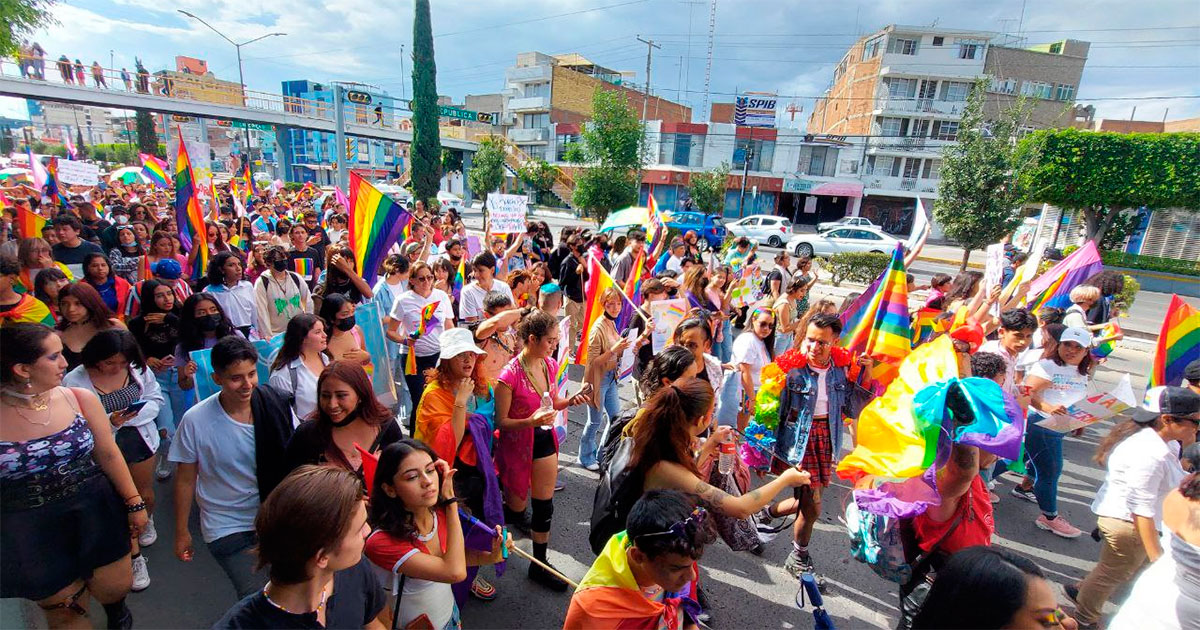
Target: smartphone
136, 406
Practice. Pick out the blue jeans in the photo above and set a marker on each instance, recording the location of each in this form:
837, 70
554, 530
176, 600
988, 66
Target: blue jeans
178, 400
1043, 451
723, 350
609, 400
235, 555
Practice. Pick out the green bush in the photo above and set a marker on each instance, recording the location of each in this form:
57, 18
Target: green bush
1151, 263
857, 267
1124, 299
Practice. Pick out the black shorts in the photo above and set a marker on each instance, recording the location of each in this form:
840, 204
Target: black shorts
543, 443
133, 446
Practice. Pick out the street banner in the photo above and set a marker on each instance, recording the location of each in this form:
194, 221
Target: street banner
666, 315
1091, 409
78, 173
507, 213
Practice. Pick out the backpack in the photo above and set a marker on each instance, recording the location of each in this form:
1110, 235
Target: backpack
887, 544
291, 274
620, 487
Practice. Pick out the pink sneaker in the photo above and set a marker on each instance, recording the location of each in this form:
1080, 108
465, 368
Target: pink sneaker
1058, 526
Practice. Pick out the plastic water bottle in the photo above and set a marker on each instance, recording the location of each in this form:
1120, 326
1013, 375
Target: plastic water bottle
727, 451
547, 405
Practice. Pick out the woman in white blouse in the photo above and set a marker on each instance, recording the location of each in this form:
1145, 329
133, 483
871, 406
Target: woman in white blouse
1142, 460
404, 321
227, 285
299, 363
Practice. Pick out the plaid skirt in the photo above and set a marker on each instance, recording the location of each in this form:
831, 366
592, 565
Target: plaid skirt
818, 454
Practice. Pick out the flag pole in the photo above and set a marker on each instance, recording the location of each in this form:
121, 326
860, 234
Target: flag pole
517, 550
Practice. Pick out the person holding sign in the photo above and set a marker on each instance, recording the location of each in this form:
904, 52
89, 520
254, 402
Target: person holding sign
605, 347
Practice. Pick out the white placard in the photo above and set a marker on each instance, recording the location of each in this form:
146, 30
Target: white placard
993, 272
1093, 408
78, 173
625, 365
507, 213
666, 315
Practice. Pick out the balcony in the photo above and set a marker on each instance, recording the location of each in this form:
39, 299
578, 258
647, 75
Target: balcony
529, 104
876, 184
528, 74
527, 136
905, 144
885, 105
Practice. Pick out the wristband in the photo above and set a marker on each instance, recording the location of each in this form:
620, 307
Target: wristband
140, 506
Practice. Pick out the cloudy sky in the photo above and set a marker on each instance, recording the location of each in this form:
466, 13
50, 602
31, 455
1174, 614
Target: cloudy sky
1141, 51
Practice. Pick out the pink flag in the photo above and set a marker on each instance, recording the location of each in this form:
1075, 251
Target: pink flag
38, 171
341, 197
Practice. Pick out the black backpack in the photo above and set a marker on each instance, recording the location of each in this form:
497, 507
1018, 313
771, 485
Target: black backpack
620, 487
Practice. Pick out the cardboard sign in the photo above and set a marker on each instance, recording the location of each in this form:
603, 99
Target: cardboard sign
78, 173
665, 315
1091, 409
993, 272
507, 213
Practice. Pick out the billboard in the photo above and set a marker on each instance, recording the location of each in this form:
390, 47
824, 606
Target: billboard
755, 109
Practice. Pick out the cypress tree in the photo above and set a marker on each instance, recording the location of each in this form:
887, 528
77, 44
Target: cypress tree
147, 138
427, 145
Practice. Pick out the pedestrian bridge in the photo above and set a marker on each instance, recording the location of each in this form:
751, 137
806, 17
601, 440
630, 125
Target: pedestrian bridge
258, 107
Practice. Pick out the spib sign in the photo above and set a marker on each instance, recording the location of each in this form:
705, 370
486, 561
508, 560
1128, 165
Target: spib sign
755, 109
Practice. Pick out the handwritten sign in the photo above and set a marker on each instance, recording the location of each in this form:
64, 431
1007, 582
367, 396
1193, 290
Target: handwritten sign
78, 173
993, 272
666, 315
507, 213
1092, 409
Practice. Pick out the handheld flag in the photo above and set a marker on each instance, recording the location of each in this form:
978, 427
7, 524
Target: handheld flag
37, 171
188, 214
370, 462
1178, 343
1106, 347
155, 170
460, 278
72, 152
598, 282
877, 323
375, 224
29, 224
1053, 288
428, 319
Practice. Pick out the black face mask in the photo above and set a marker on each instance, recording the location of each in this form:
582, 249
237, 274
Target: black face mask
279, 265
208, 323
346, 325
610, 317
350, 417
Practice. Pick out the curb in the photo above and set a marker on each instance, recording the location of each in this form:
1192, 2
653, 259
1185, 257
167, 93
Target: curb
948, 261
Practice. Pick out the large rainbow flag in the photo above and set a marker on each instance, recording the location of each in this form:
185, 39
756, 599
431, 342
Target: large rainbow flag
188, 213
375, 225
1053, 288
1178, 343
877, 323
597, 283
460, 277
926, 326
29, 224
155, 170
251, 189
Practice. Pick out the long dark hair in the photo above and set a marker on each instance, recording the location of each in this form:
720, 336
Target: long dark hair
330, 305
190, 336
370, 410
389, 514
87, 262
662, 432
964, 286
669, 364
23, 343
216, 271
146, 294
297, 329
44, 277
109, 343
979, 587
99, 314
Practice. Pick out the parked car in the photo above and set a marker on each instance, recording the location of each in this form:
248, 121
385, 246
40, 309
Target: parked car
710, 229
847, 222
842, 240
450, 200
763, 229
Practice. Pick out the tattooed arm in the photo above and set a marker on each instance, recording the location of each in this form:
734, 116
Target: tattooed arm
676, 477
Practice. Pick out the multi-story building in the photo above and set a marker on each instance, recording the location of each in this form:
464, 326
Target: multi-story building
548, 97
313, 155
1047, 75
50, 120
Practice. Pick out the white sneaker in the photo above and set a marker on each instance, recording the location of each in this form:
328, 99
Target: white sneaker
149, 535
141, 576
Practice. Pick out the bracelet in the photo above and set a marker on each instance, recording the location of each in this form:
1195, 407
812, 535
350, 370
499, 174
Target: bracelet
140, 506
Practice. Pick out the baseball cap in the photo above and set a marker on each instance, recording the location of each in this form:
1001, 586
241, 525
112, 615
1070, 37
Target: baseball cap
168, 269
1174, 401
1192, 371
457, 341
1079, 335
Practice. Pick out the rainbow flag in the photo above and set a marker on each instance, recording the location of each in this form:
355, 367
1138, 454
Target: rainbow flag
926, 326
251, 189
597, 283
29, 223
1106, 348
53, 190
27, 309
375, 224
877, 323
304, 267
460, 277
188, 214
428, 318
155, 170
1178, 343
144, 270
656, 230
1053, 288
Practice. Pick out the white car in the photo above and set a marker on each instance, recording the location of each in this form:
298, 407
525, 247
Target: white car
841, 240
847, 222
450, 200
763, 229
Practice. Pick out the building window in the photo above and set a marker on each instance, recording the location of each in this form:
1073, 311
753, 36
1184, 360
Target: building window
682, 149
1037, 89
932, 169
945, 130
891, 126
820, 161
1063, 92
884, 165
763, 154
872, 47
537, 89
1003, 86
955, 91
901, 88
970, 48
903, 46
364, 150
938, 41
535, 121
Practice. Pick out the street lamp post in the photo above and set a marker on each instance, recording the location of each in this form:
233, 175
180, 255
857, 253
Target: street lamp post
241, 77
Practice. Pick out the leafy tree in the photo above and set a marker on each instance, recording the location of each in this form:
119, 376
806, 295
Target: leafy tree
21, 18
538, 174
1101, 173
427, 144
978, 199
8, 143
487, 169
610, 151
42, 148
707, 189
451, 160
147, 138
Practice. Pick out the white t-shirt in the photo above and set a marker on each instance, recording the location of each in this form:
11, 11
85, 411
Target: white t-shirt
227, 480
237, 302
1142, 470
1075, 317
407, 310
821, 408
749, 349
296, 379
675, 263
1010, 363
470, 302
1067, 385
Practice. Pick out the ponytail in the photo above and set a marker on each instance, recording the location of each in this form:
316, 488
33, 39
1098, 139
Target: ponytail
662, 432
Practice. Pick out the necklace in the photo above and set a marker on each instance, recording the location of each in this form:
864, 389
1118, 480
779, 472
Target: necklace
529, 374
432, 531
320, 604
36, 402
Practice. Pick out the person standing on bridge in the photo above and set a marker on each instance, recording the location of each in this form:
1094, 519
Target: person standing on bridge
79, 75
127, 80
98, 75
64, 69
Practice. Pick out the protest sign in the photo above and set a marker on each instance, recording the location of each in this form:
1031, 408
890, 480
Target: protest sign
993, 272
507, 213
78, 173
205, 386
473, 246
1093, 408
370, 320
666, 315
625, 366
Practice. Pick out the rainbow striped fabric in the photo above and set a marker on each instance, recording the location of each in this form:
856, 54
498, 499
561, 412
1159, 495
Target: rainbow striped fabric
375, 225
460, 278
597, 283
428, 316
656, 230
926, 326
1178, 343
29, 224
1106, 348
27, 309
877, 323
251, 189
1053, 288
155, 170
188, 214
53, 190
304, 267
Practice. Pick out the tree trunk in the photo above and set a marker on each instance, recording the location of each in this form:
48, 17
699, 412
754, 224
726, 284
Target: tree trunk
1109, 216
1092, 220
965, 259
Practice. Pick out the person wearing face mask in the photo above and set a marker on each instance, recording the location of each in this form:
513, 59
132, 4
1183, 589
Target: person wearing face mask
202, 323
126, 256
109, 236
228, 286
279, 294
341, 276
605, 347
346, 340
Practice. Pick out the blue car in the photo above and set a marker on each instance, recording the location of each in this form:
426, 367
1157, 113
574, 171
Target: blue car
710, 229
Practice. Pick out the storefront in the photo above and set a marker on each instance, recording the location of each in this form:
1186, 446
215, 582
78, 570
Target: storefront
893, 214
810, 201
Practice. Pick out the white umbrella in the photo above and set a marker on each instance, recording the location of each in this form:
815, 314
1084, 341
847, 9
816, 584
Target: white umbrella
15, 171
128, 175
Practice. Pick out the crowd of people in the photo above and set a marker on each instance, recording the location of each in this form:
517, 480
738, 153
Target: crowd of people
326, 502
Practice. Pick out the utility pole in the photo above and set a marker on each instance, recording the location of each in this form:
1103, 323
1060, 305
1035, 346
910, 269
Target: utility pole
402, 77
745, 174
339, 117
712, 27
650, 46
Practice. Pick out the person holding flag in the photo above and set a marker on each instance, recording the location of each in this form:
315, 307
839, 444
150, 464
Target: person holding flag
605, 345
405, 318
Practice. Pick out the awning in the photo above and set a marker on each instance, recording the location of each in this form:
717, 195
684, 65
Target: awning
829, 189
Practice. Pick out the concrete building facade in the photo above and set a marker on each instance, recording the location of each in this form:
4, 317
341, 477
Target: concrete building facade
313, 155
1047, 76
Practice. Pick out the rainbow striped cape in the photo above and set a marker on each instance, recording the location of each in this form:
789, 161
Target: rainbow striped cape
27, 309
1178, 343
609, 596
376, 222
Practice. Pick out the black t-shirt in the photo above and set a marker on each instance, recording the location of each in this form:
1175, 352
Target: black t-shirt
556, 258
311, 442
74, 255
316, 262
156, 340
570, 279
357, 599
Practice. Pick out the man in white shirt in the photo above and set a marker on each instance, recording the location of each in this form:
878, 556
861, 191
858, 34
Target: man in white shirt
1017, 327
470, 302
675, 261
